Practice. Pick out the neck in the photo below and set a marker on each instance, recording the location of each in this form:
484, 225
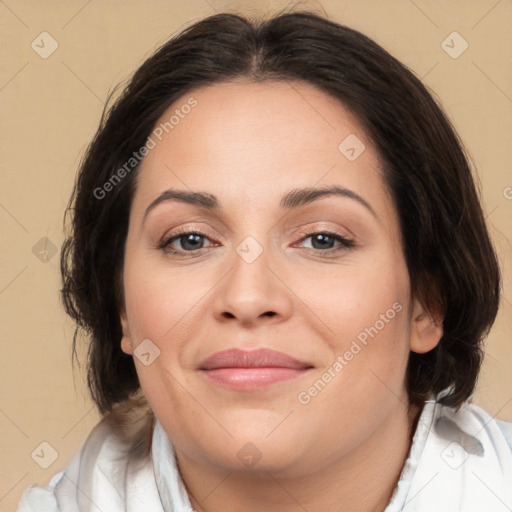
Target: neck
362, 480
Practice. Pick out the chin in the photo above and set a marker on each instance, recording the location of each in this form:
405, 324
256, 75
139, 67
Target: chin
257, 456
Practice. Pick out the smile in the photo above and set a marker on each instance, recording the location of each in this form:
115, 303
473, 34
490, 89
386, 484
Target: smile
244, 370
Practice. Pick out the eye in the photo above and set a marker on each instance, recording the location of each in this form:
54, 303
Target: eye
324, 241
188, 240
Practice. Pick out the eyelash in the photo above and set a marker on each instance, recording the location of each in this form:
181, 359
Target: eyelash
345, 243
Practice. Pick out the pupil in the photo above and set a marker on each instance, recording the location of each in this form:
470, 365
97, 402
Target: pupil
323, 239
191, 239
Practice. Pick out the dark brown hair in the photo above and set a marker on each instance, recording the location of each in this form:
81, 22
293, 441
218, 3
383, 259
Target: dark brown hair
450, 258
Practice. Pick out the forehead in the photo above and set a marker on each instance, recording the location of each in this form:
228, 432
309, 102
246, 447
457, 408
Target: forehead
250, 143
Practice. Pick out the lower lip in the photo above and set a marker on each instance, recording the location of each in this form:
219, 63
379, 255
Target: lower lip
249, 379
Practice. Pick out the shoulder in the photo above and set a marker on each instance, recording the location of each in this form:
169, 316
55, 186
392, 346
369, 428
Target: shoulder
506, 430
60, 492
468, 455
460, 459
115, 448
478, 424
37, 497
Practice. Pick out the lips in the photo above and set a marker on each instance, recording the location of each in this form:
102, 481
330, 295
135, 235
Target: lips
244, 370
259, 358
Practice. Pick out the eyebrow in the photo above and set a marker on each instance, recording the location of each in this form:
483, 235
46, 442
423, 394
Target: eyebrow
293, 199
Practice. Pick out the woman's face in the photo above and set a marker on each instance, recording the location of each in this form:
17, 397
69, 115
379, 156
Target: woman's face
322, 280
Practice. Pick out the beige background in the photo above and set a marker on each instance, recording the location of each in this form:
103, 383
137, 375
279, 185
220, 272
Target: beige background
51, 108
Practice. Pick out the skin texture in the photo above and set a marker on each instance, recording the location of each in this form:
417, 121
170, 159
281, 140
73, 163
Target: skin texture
248, 144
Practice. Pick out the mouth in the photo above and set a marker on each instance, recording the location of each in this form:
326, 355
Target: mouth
244, 370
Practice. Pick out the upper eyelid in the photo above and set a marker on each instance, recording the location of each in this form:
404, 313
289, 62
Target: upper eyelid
215, 218
302, 231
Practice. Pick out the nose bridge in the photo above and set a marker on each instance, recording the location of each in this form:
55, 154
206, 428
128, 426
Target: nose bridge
251, 261
251, 289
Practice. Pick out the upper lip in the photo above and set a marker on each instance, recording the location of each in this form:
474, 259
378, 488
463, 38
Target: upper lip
258, 358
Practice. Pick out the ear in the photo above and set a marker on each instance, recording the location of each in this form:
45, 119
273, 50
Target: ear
426, 328
126, 343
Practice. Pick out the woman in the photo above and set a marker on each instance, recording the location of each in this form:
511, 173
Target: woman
280, 257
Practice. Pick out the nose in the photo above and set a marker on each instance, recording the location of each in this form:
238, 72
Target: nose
253, 292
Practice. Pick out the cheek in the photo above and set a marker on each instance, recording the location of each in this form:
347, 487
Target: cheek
366, 310
365, 376
355, 299
159, 301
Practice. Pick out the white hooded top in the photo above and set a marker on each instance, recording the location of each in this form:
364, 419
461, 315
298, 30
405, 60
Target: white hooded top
458, 461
